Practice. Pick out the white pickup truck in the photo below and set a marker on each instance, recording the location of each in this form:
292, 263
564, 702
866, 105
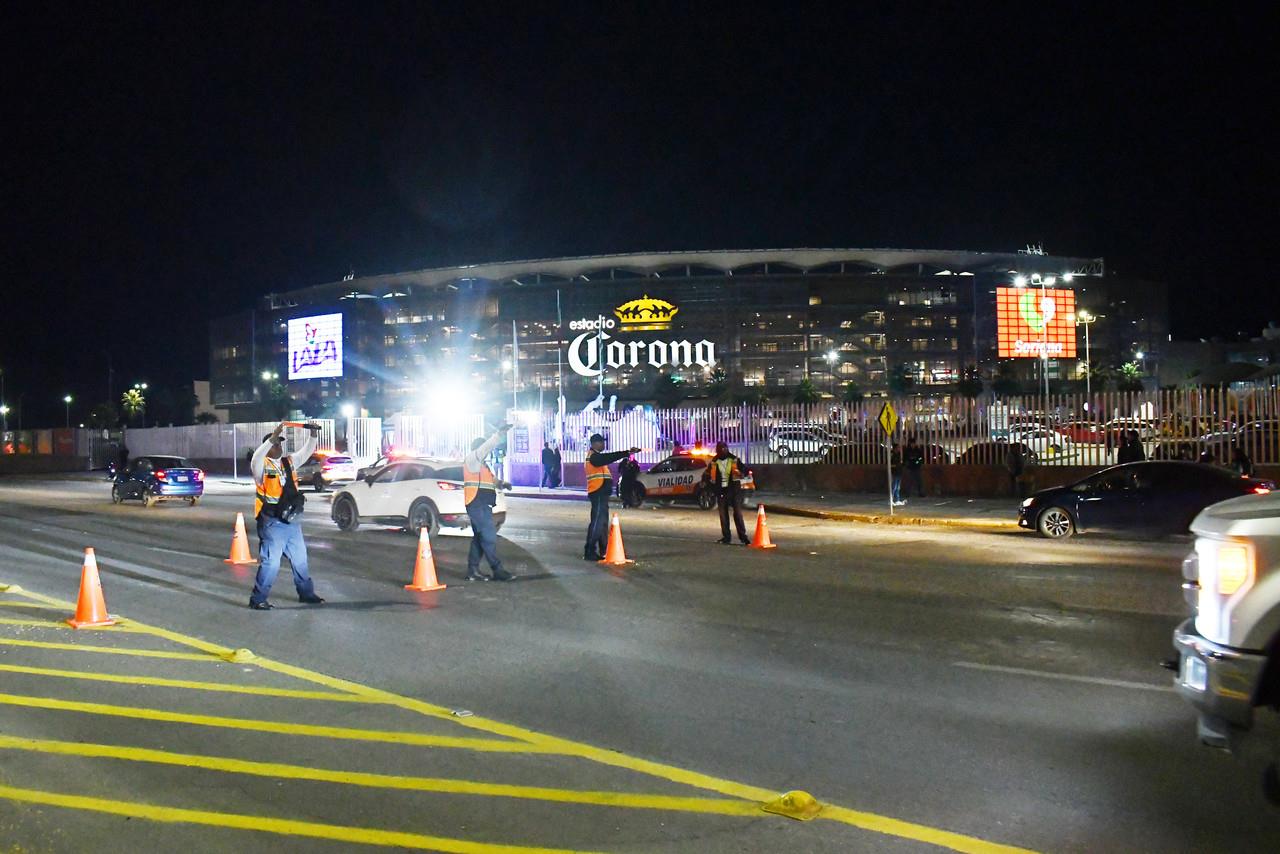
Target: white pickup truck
1229, 651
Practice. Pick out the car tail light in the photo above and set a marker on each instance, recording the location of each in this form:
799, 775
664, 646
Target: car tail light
448, 487
326, 466
199, 474
1261, 490
161, 474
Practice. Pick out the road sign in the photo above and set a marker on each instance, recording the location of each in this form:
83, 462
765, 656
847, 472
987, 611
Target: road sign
888, 418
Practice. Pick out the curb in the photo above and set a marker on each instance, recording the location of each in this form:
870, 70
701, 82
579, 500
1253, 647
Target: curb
885, 519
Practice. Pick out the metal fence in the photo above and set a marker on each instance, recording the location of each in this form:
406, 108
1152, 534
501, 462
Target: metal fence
1074, 429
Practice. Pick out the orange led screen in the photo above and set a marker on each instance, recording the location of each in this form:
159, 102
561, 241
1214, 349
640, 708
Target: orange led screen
1030, 321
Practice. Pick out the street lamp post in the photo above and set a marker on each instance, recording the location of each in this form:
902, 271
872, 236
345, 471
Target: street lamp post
4, 418
67, 400
1085, 318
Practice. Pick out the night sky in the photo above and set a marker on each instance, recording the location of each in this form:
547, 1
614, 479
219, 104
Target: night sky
169, 165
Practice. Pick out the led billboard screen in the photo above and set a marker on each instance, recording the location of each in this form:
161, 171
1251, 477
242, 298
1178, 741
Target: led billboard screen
315, 347
1031, 321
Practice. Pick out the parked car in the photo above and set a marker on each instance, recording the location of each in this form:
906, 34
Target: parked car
409, 494
1258, 438
679, 478
326, 468
1157, 497
1088, 432
803, 441
1047, 444
993, 454
155, 478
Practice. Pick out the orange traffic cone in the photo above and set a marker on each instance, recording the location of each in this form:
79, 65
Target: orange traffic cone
424, 568
616, 555
239, 545
91, 609
761, 539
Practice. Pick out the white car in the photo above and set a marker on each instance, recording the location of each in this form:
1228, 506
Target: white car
680, 478
327, 468
803, 441
1047, 444
411, 494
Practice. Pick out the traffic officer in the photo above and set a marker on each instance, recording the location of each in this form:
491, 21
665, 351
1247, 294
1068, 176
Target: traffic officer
599, 488
277, 507
726, 479
480, 492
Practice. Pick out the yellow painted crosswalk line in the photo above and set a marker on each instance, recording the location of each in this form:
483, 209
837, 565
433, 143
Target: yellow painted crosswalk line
228, 688
266, 824
671, 803
284, 728
539, 742
59, 624
109, 650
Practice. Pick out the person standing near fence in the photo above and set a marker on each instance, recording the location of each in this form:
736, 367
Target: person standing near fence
1014, 463
599, 488
1240, 461
912, 466
549, 466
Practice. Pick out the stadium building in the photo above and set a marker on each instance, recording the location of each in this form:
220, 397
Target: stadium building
770, 319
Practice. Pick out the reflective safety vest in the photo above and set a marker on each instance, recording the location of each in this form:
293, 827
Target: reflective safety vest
271, 487
724, 472
598, 477
474, 481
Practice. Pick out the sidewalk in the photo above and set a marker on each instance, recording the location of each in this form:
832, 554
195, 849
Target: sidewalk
980, 513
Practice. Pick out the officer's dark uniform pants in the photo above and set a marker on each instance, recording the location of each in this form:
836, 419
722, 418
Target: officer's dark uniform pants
730, 497
598, 529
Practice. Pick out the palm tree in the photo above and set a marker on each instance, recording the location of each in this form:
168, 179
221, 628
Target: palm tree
133, 402
852, 393
718, 388
806, 392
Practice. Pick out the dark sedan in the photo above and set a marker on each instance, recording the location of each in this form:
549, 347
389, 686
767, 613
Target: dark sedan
1154, 497
155, 478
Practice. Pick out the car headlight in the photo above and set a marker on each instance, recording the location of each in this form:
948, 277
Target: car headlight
1028, 502
1226, 570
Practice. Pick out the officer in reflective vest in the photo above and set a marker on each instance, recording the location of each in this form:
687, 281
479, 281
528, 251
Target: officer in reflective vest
726, 479
276, 482
599, 488
480, 492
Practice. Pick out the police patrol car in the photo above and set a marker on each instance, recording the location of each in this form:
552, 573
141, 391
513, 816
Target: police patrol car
679, 478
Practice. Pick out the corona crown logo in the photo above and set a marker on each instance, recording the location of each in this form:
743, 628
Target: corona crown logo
645, 310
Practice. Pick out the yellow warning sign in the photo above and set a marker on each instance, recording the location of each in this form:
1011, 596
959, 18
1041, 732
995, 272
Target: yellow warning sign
888, 418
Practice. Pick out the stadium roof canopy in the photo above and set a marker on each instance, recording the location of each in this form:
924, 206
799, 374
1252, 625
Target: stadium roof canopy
729, 262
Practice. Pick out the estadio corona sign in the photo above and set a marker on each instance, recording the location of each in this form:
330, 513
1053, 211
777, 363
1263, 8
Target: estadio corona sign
594, 349
1031, 322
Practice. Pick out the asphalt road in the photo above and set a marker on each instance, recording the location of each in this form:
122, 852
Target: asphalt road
928, 686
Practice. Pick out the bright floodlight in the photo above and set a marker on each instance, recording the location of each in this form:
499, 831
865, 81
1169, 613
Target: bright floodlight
1050, 281
832, 355
1068, 277
66, 399
1020, 281
1139, 354
348, 410
1084, 315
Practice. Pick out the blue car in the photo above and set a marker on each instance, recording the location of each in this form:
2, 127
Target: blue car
153, 478
1147, 497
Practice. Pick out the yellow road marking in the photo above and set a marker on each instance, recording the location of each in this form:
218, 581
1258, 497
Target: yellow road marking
145, 653
553, 744
58, 624
264, 824
36, 605
282, 727
714, 806
336, 696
